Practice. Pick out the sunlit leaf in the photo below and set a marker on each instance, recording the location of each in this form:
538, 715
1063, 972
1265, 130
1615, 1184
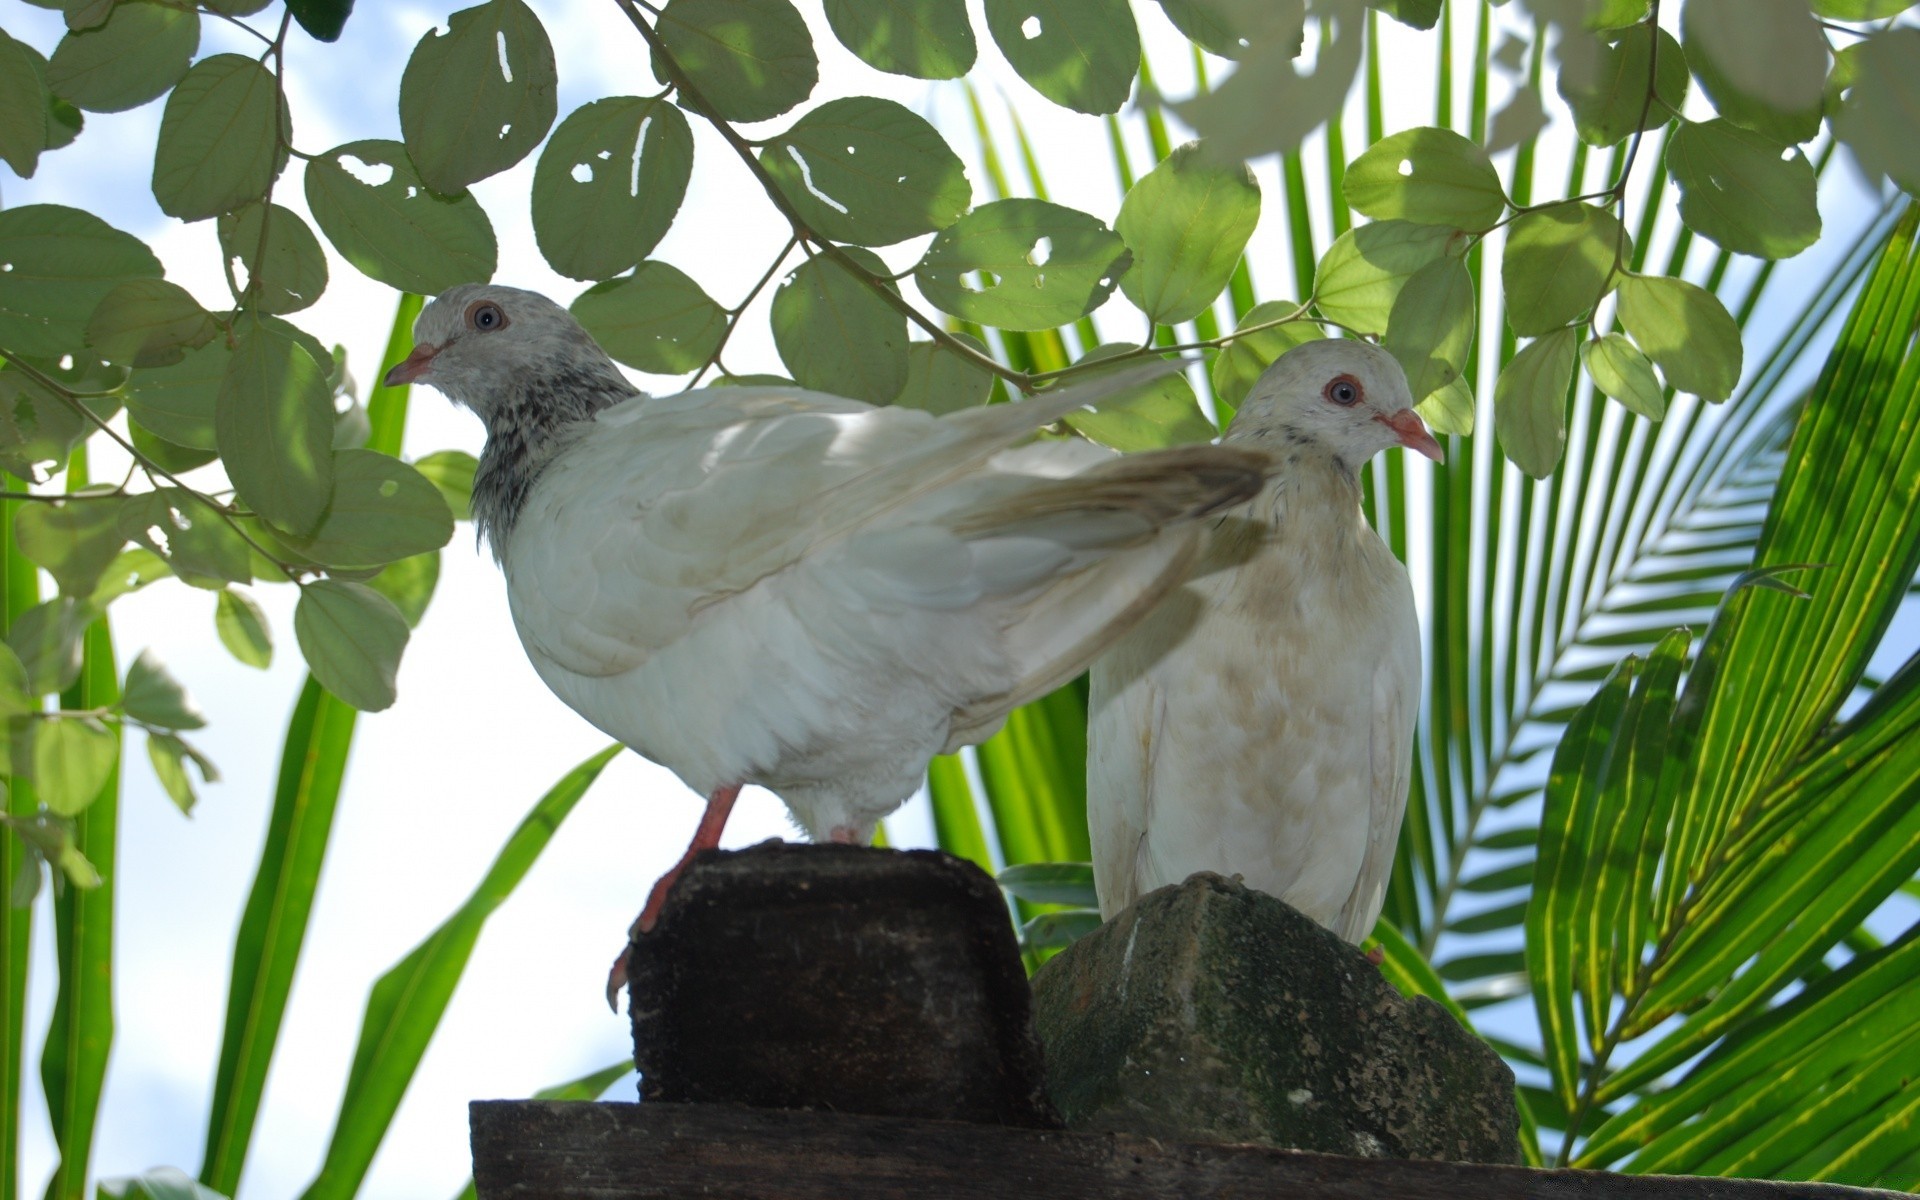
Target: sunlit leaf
177, 402
1559, 264
202, 548
940, 381
1248, 356
748, 59
1186, 222
75, 540
1162, 413
282, 272
223, 138
384, 221
1219, 27
158, 1183
1686, 331
1619, 370
452, 472
352, 638
1612, 102
927, 39
836, 335
243, 628
409, 583
381, 511
1530, 403
153, 696
608, 184
1449, 409
73, 757
1080, 54
142, 50
1762, 62
56, 265
1431, 325
148, 323
868, 171
1744, 190
1860, 10
1430, 176
476, 99
655, 319
1876, 119
16, 697
274, 421
46, 638
1361, 274
23, 106
1038, 265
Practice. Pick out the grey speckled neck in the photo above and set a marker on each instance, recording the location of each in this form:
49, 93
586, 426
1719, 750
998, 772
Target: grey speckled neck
537, 419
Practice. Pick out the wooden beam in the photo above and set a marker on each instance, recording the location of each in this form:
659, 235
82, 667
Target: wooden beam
543, 1150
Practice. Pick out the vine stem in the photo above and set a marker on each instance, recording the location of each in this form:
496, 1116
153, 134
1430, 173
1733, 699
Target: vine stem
733, 314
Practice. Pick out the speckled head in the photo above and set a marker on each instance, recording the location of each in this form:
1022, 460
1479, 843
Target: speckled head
1350, 396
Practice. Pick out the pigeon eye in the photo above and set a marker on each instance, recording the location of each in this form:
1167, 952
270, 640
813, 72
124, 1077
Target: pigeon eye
1345, 391
486, 316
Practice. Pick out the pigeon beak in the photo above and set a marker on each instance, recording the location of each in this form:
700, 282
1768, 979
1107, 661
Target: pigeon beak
413, 366
1411, 432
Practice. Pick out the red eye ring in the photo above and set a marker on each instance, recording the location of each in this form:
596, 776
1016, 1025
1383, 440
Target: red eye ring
1344, 390
485, 316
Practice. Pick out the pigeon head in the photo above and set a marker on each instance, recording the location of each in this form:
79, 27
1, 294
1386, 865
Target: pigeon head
1349, 396
490, 348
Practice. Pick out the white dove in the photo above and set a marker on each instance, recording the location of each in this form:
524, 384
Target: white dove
1260, 722
773, 586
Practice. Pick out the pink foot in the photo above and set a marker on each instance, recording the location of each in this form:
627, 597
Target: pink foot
706, 837
1377, 955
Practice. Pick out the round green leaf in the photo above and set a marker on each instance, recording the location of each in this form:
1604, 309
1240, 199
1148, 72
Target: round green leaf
148, 323
748, 59
15, 698
273, 420
200, 547
243, 628
1248, 355
142, 50
927, 39
1186, 222
1080, 54
1216, 26
1876, 119
1686, 330
39, 426
47, 638
75, 540
375, 211
940, 381
1558, 265
1431, 325
1361, 274
1744, 190
1161, 413
64, 122
352, 638
382, 511
836, 335
1621, 371
24, 101
176, 402
1431, 176
609, 183
868, 171
655, 319
153, 696
1762, 62
56, 265
1609, 104
451, 471
1530, 403
168, 456
218, 148
1860, 10
73, 758
1448, 410
170, 756
409, 583
1040, 265
281, 273
478, 98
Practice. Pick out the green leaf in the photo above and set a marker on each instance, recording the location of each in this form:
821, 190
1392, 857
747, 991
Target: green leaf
148, 323
927, 39
155, 697
1530, 403
940, 381
1220, 27
655, 319
1248, 356
376, 212
274, 422
1080, 54
74, 540
1052, 930
1041, 265
608, 184
868, 171
46, 638
452, 472
1420, 14
836, 335
177, 402
1621, 371
202, 549
142, 50
1050, 883
1744, 190
167, 456
157, 1183
1430, 176
73, 757
1860, 10
132, 569
16, 699
1763, 63
1164, 412
409, 583
23, 106
748, 59
1268, 105
169, 756
1449, 409
243, 628
1876, 118
223, 138
41, 426
352, 638
281, 273
1686, 330
1559, 264
1609, 104
56, 265
1186, 222
382, 511
1361, 274
477, 99
1431, 325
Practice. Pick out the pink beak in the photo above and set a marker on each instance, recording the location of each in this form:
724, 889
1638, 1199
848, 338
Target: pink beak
414, 365
1406, 426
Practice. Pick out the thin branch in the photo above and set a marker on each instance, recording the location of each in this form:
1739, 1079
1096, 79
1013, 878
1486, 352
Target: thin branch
733, 314
236, 23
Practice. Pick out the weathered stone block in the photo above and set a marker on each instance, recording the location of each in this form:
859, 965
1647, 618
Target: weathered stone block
1212, 1012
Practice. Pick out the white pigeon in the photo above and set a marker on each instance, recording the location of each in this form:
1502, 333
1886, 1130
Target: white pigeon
1260, 722
768, 585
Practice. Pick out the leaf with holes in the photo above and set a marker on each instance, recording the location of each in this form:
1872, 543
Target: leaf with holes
477, 99
148, 323
382, 511
154, 697
352, 638
1559, 264
73, 757
1686, 331
868, 171
1876, 118
75, 540
243, 628
24, 101
655, 319
1361, 274
282, 267
1041, 265
1431, 176
748, 59
836, 335
203, 550
1186, 222
56, 265
170, 756
927, 39
142, 50
941, 381
1763, 63
1619, 370
1248, 356
223, 138
608, 184
381, 219
1220, 27
1164, 412
1744, 190
1080, 54
451, 471
1530, 403
1610, 102
176, 402
274, 423
1431, 326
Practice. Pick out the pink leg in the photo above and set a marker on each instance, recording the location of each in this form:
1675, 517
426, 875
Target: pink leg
706, 837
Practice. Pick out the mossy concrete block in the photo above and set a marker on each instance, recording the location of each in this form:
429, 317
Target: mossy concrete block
1212, 1012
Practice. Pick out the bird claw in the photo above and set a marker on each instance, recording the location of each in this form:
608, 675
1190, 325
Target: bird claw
617, 979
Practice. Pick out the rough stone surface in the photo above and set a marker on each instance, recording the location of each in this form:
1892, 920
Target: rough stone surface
840, 977
1212, 1012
